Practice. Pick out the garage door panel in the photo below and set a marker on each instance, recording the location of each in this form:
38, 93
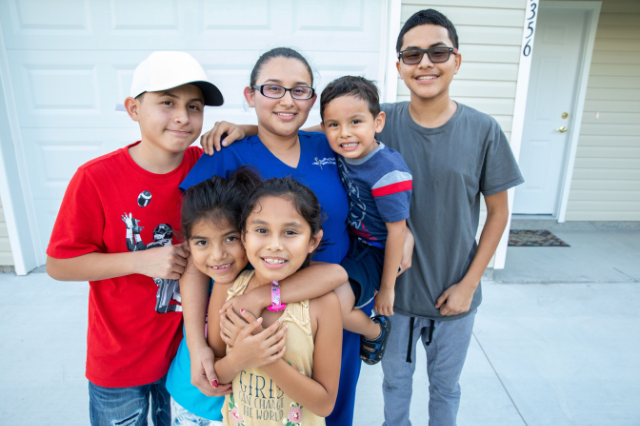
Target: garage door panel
130, 18
296, 23
35, 17
52, 89
54, 155
191, 24
238, 15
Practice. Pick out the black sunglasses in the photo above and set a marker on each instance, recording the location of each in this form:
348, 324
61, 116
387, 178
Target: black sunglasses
437, 55
275, 91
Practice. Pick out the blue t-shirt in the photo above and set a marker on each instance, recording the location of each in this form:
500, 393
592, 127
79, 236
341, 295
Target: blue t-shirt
379, 189
317, 170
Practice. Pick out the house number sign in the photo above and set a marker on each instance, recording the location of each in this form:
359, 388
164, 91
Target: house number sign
531, 14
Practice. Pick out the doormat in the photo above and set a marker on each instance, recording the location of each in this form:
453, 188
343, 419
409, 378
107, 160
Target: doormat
534, 238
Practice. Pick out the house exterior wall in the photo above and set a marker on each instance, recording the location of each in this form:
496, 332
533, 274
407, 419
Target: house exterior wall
606, 177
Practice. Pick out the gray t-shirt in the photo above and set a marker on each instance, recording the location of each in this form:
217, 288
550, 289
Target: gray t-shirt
451, 165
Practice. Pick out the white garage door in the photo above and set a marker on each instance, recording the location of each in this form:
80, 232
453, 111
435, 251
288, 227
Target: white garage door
71, 61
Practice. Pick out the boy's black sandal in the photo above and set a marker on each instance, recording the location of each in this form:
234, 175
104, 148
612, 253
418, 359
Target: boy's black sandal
372, 350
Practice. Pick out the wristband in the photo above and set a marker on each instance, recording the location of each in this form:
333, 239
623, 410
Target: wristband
275, 297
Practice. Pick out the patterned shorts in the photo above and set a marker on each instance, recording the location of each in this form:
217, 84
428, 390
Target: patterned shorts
182, 417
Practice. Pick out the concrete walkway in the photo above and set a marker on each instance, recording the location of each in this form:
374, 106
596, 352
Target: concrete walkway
542, 354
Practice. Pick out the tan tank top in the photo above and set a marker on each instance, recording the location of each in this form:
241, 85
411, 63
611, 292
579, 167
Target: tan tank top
256, 399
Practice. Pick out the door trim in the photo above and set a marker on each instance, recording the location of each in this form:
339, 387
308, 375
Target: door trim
593, 14
517, 123
15, 190
388, 52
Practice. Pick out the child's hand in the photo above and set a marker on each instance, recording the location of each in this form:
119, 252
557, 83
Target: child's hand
212, 141
203, 374
262, 349
384, 301
249, 302
166, 262
231, 324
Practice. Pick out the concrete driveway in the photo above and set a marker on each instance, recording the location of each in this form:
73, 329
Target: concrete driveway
542, 354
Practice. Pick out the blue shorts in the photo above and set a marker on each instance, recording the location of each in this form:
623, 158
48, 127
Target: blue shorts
364, 264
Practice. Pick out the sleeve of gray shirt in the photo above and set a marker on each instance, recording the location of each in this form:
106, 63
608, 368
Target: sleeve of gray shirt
500, 170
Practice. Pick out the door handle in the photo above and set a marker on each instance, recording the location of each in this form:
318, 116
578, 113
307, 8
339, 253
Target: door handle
561, 129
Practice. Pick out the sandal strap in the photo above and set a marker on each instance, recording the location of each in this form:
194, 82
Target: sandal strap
377, 346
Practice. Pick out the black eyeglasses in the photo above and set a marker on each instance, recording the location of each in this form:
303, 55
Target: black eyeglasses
437, 55
274, 91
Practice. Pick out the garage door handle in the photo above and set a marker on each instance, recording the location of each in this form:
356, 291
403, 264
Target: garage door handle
561, 129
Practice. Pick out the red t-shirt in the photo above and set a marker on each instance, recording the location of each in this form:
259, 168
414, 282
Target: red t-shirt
112, 205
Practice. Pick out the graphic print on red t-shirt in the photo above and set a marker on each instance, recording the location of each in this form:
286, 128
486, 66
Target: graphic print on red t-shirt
168, 289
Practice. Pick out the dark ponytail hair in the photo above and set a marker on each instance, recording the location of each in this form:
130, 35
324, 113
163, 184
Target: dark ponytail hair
278, 52
304, 200
218, 199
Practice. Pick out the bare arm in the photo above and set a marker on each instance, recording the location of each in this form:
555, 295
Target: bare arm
318, 393
194, 290
312, 282
213, 140
457, 298
393, 252
407, 251
225, 133
161, 262
218, 297
265, 347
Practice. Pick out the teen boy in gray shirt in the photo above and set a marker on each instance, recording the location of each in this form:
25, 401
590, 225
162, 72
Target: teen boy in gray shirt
455, 153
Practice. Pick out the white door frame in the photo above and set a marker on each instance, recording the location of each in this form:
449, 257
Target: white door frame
388, 52
522, 87
584, 65
15, 191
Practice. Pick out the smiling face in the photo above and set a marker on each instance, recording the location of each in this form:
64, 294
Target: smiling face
350, 126
284, 116
170, 120
427, 80
217, 250
277, 239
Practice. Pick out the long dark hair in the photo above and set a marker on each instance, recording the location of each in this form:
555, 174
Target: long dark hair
218, 199
304, 200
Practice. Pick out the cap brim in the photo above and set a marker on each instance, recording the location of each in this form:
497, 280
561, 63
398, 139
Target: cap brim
212, 96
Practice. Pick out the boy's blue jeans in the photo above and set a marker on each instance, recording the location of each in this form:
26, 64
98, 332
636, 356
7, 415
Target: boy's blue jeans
130, 406
446, 344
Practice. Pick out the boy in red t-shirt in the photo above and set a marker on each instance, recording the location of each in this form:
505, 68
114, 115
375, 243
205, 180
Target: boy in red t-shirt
116, 228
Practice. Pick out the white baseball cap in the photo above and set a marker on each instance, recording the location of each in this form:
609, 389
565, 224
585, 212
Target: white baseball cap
166, 70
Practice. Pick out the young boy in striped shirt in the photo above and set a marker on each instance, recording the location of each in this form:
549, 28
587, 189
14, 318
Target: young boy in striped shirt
378, 183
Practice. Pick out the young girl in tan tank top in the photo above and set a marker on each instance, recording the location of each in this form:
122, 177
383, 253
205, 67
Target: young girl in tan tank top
288, 372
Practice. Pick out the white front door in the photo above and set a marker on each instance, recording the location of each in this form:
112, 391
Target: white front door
550, 104
71, 61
